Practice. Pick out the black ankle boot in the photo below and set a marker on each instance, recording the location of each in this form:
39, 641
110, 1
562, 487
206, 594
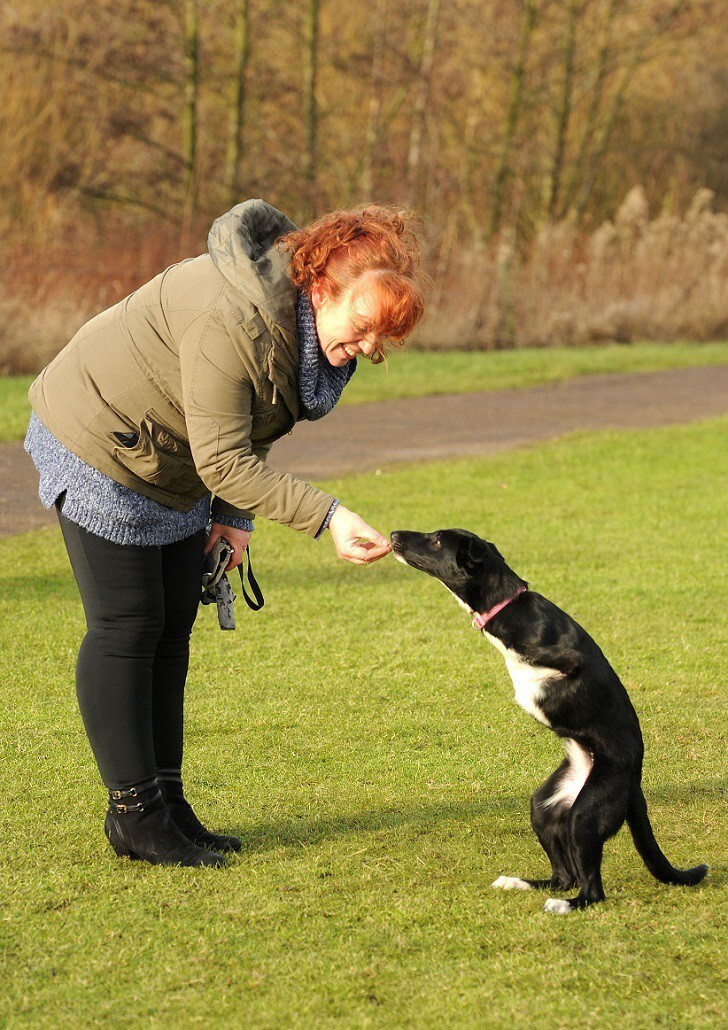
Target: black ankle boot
170, 784
139, 825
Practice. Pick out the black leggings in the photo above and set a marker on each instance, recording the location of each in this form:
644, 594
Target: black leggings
140, 605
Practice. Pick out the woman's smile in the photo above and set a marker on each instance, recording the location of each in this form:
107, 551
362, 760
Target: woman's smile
341, 326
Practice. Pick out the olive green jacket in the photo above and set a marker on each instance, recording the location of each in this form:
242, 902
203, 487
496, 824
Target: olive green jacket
183, 386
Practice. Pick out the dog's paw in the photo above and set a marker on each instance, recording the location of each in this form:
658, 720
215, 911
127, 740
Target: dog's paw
511, 883
557, 907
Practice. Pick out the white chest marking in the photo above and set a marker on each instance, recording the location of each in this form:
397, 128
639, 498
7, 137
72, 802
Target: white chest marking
528, 680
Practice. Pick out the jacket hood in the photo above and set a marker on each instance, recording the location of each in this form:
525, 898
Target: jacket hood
240, 243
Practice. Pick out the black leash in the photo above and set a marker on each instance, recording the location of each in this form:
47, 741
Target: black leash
216, 588
253, 582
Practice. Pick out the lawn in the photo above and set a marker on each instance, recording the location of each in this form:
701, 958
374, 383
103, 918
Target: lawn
362, 739
411, 373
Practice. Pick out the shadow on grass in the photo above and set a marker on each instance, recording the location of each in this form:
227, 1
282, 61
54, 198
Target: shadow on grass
684, 793
421, 819
307, 832
43, 587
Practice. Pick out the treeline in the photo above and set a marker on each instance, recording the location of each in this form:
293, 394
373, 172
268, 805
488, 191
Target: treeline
127, 125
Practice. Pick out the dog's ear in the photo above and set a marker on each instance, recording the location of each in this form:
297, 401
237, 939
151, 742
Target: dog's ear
471, 553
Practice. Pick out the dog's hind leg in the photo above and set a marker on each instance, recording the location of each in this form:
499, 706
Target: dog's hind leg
550, 822
550, 825
596, 815
552, 830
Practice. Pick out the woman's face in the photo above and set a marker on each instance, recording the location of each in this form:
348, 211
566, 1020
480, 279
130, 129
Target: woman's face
341, 326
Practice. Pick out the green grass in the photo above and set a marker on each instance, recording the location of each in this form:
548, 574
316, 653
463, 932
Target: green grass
363, 741
422, 374
14, 407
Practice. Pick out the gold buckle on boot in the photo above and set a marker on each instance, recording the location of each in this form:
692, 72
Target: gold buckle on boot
131, 793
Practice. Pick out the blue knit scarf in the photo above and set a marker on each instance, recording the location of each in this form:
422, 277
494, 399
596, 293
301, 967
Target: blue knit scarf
319, 384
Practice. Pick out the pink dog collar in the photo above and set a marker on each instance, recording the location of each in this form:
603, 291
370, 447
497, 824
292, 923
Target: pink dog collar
480, 620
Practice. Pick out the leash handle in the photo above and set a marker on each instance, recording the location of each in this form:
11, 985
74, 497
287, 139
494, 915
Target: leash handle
253, 582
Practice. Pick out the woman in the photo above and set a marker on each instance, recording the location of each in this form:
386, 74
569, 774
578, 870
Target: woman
150, 431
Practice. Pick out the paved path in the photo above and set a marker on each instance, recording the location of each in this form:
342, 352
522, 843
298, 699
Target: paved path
364, 437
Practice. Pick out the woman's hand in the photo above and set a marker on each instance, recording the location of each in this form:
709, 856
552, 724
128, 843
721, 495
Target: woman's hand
354, 540
237, 538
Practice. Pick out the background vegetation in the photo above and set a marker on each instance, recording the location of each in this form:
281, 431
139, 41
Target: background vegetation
363, 741
567, 157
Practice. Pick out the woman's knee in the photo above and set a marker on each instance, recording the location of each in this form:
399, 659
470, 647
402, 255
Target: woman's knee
178, 621
131, 635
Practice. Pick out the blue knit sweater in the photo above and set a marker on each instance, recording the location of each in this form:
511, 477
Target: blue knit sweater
123, 516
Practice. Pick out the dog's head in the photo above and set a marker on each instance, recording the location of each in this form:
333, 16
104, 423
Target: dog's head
473, 570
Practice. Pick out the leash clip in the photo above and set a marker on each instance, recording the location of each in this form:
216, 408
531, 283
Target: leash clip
216, 588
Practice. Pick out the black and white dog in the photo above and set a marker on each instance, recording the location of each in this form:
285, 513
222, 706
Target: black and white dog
562, 678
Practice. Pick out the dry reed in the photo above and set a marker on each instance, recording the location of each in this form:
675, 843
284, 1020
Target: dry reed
633, 278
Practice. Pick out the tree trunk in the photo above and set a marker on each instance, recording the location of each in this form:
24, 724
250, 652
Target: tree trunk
375, 100
417, 130
592, 117
589, 178
564, 111
310, 110
191, 85
236, 108
470, 161
518, 78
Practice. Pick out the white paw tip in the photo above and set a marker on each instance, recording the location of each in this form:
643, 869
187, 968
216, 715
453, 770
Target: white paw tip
557, 906
511, 883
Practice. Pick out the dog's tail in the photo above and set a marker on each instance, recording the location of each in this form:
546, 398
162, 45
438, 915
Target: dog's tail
644, 840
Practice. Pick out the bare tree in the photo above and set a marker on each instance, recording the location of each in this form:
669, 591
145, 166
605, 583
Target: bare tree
110, 107
424, 83
515, 102
236, 101
596, 84
602, 136
310, 107
375, 97
574, 13
191, 37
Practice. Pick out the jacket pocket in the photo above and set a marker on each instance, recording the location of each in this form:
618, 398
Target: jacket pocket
161, 458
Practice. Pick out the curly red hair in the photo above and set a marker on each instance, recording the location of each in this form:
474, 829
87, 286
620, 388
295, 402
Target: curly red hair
371, 249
